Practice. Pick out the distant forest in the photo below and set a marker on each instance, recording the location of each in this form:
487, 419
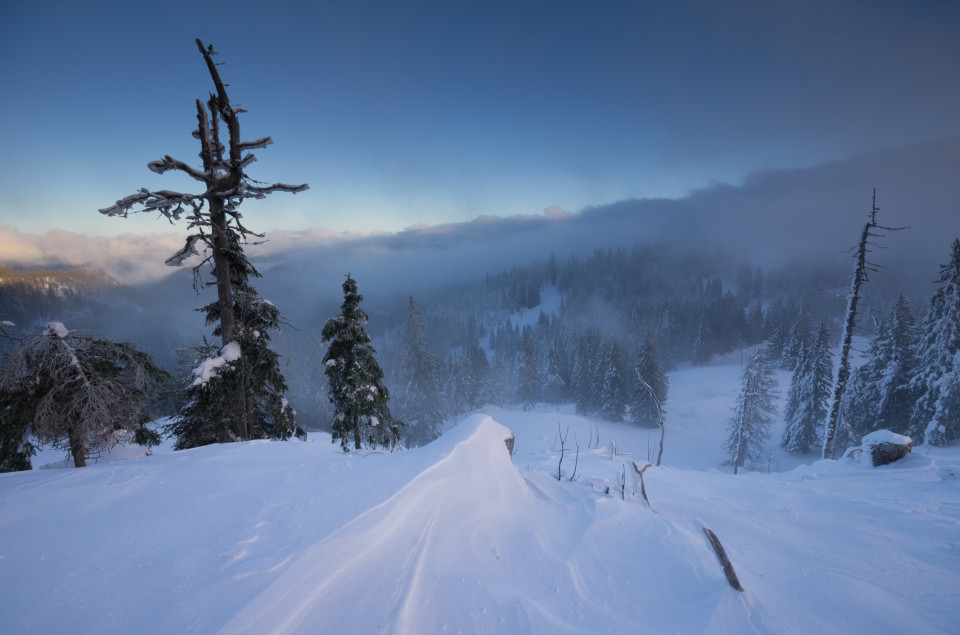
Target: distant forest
611, 308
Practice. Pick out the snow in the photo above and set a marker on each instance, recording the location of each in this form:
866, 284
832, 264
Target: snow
58, 329
207, 369
884, 436
458, 536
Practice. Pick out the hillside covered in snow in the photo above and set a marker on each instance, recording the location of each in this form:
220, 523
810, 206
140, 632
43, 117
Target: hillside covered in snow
459, 536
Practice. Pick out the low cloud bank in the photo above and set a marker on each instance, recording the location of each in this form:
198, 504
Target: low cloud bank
774, 217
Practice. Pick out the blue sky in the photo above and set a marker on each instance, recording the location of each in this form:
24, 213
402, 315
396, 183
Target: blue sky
407, 113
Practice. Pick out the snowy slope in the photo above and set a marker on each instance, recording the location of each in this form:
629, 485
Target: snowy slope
460, 537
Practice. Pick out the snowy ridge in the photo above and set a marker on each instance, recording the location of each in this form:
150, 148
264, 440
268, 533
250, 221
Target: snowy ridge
469, 534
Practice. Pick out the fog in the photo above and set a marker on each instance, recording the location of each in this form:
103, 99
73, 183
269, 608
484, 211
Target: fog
775, 217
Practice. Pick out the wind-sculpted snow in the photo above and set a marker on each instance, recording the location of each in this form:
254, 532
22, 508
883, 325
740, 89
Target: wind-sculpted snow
472, 545
458, 537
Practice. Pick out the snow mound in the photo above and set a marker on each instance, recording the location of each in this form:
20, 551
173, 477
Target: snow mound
473, 545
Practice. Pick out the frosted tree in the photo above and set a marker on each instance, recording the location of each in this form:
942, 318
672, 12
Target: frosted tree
417, 395
613, 406
238, 393
797, 341
528, 372
649, 369
225, 186
214, 220
809, 394
357, 392
581, 377
932, 421
703, 345
880, 394
750, 425
557, 379
74, 392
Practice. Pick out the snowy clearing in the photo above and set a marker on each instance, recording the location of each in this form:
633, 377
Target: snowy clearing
460, 537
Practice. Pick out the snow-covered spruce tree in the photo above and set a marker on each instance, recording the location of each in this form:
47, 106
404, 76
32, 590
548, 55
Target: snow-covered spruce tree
643, 406
931, 420
16, 448
238, 393
880, 395
556, 382
703, 345
809, 393
580, 379
528, 371
73, 392
797, 342
213, 215
613, 406
753, 414
417, 395
357, 392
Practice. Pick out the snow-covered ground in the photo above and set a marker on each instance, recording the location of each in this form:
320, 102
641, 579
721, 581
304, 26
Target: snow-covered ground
461, 537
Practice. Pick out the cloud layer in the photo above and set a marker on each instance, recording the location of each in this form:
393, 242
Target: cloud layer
774, 217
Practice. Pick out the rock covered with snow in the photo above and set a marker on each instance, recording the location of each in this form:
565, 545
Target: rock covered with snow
884, 446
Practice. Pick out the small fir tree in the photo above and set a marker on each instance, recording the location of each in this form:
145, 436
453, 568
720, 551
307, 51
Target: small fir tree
357, 392
418, 380
528, 376
614, 394
931, 420
809, 393
582, 389
643, 406
750, 425
880, 395
797, 342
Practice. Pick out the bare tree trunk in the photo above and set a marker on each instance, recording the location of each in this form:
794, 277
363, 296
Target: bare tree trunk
659, 413
77, 448
221, 268
843, 372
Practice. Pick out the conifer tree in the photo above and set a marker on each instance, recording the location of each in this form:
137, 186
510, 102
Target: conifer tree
933, 420
703, 345
880, 394
556, 383
238, 393
582, 388
73, 392
418, 383
750, 425
809, 393
528, 376
357, 392
643, 406
613, 405
797, 342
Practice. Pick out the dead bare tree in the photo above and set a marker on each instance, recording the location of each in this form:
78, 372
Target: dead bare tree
718, 549
860, 275
656, 400
213, 214
640, 470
